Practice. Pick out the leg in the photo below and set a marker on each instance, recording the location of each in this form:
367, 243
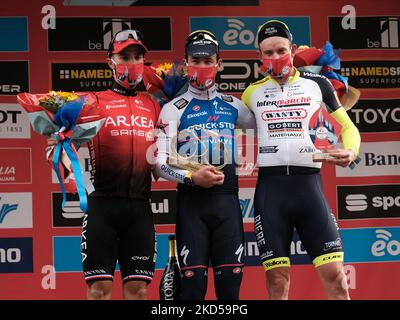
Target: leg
278, 283
192, 237
137, 248
273, 228
227, 250
99, 290
135, 290
334, 280
99, 248
319, 233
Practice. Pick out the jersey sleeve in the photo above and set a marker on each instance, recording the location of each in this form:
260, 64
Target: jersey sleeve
246, 118
329, 96
246, 96
350, 135
167, 129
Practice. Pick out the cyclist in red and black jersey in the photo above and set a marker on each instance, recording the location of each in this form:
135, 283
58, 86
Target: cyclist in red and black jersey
119, 225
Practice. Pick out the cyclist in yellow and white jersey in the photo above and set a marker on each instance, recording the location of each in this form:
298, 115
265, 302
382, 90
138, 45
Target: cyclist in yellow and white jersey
289, 189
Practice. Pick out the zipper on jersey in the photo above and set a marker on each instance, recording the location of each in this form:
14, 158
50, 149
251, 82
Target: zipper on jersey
286, 140
133, 143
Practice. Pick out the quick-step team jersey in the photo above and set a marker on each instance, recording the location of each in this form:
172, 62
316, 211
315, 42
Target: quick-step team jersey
202, 111
283, 114
118, 151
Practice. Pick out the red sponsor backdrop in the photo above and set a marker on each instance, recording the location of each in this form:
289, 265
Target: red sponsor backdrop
366, 280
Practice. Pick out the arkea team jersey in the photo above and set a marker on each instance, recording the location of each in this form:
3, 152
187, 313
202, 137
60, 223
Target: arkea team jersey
283, 114
118, 152
204, 112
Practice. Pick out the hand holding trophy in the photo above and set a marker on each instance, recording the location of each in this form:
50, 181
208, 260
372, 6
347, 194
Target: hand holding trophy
195, 160
324, 132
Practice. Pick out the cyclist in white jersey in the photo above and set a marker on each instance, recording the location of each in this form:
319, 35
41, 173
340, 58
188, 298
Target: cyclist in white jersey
289, 190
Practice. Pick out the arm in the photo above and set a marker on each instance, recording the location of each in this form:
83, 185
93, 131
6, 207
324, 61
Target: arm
350, 135
168, 125
246, 118
167, 129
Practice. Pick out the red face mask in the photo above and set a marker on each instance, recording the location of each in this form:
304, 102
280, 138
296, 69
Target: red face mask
202, 78
278, 68
128, 75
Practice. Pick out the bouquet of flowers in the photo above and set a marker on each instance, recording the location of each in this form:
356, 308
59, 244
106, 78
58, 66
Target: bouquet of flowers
72, 119
166, 80
324, 61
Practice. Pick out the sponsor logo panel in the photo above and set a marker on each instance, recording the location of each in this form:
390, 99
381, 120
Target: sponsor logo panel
15, 165
372, 74
380, 32
95, 34
246, 200
15, 210
14, 77
16, 255
376, 115
14, 34
240, 33
237, 75
14, 123
377, 159
368, 201
69, 216
163, 206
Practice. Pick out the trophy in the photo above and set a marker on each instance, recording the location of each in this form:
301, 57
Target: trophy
194, 161
324, 132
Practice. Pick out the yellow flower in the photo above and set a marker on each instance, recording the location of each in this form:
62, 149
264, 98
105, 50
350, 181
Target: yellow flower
163, 68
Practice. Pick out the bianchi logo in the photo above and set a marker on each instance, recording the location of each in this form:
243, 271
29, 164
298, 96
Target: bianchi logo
356, 202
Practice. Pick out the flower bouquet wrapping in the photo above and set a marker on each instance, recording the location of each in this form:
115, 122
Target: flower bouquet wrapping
324, 61
165, 81
72, 119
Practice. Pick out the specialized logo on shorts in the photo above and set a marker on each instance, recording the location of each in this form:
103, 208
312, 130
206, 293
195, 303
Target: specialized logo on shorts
239, 252
184, 254
181, 103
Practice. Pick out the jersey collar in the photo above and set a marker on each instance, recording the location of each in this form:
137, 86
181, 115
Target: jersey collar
208, 94
290, 80
117, 88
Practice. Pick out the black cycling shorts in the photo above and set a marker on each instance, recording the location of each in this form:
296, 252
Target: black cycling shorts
118, 229
209, 226
284, 202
